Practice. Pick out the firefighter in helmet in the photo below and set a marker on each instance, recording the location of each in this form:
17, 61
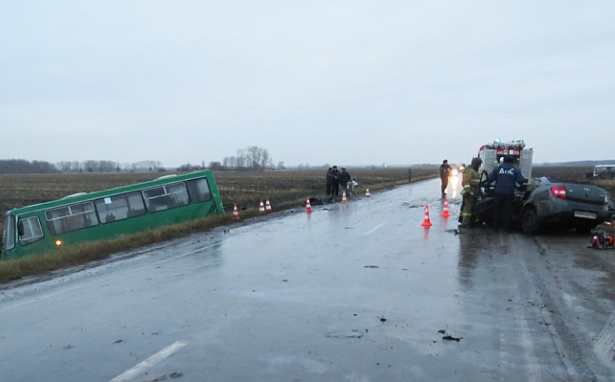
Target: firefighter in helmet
470, 182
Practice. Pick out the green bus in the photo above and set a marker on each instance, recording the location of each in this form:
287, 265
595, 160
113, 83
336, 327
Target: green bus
101, 215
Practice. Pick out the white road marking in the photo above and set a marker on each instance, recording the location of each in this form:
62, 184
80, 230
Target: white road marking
376, 228
529, 351
151, 361
605, 341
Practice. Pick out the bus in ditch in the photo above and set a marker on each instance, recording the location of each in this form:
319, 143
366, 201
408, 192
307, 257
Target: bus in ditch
604, 171
108, 214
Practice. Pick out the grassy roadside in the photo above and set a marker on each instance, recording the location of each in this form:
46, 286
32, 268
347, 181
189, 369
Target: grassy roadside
284, 189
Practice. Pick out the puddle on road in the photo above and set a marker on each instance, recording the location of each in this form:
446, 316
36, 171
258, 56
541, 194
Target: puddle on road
354, 333
408, 205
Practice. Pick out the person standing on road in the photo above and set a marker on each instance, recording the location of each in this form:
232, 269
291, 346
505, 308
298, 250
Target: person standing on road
469, 182
329, 182
409, 175
344, 179
445, 171
507, 179
335, 182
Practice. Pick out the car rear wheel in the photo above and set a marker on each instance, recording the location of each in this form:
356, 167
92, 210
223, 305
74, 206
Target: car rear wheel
529, 221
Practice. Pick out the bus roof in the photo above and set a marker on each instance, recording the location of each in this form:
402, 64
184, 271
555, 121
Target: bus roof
85, 196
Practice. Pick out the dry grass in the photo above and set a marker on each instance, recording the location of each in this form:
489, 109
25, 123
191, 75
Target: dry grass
87, 253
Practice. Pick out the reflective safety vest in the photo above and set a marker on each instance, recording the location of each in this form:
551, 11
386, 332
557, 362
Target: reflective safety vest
469, 181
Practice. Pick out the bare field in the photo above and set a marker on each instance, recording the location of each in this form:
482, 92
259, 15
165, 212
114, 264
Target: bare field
575, 175
562, 173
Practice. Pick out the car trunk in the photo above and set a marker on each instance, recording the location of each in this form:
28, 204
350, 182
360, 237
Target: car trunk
580, 195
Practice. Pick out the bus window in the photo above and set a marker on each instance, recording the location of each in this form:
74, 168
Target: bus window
165, 197
199, 190
179, 194
71, 218
30, 230
119, 207
604, 171
8, 236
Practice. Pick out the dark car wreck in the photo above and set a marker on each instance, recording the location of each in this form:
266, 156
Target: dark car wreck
541, 204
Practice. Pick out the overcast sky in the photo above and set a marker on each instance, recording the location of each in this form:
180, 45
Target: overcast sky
313, 82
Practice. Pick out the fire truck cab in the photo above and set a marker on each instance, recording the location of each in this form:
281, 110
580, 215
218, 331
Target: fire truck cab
490, 154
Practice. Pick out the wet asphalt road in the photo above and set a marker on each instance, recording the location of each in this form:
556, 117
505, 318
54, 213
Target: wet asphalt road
351, 292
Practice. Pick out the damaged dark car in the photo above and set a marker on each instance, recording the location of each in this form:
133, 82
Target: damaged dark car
542, 204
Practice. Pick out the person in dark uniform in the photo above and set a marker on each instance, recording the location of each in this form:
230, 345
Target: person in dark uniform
329, 182
507, 179
344, 179
335, 182
445, 171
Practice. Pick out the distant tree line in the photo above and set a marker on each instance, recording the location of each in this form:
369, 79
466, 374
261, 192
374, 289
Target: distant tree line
252, 158
108, 166
20, 166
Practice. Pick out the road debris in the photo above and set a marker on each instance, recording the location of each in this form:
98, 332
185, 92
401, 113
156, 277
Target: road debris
448, 337
165, 377
354, 333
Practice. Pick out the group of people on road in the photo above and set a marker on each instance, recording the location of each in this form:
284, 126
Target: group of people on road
505, 178
336, 179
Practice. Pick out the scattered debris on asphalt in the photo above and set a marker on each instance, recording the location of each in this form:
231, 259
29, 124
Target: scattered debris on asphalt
173, 375
451, 338
339, 334
448, 337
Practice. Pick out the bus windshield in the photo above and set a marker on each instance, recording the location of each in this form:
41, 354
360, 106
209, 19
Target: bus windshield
8, 236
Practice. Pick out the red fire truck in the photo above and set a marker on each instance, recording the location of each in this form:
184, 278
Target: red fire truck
491, 154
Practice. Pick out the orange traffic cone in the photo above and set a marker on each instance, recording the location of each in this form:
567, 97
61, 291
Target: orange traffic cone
308, 207
367, 195
426, 222
344, 199
445, 213
261, 208
235, 213
267, 206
